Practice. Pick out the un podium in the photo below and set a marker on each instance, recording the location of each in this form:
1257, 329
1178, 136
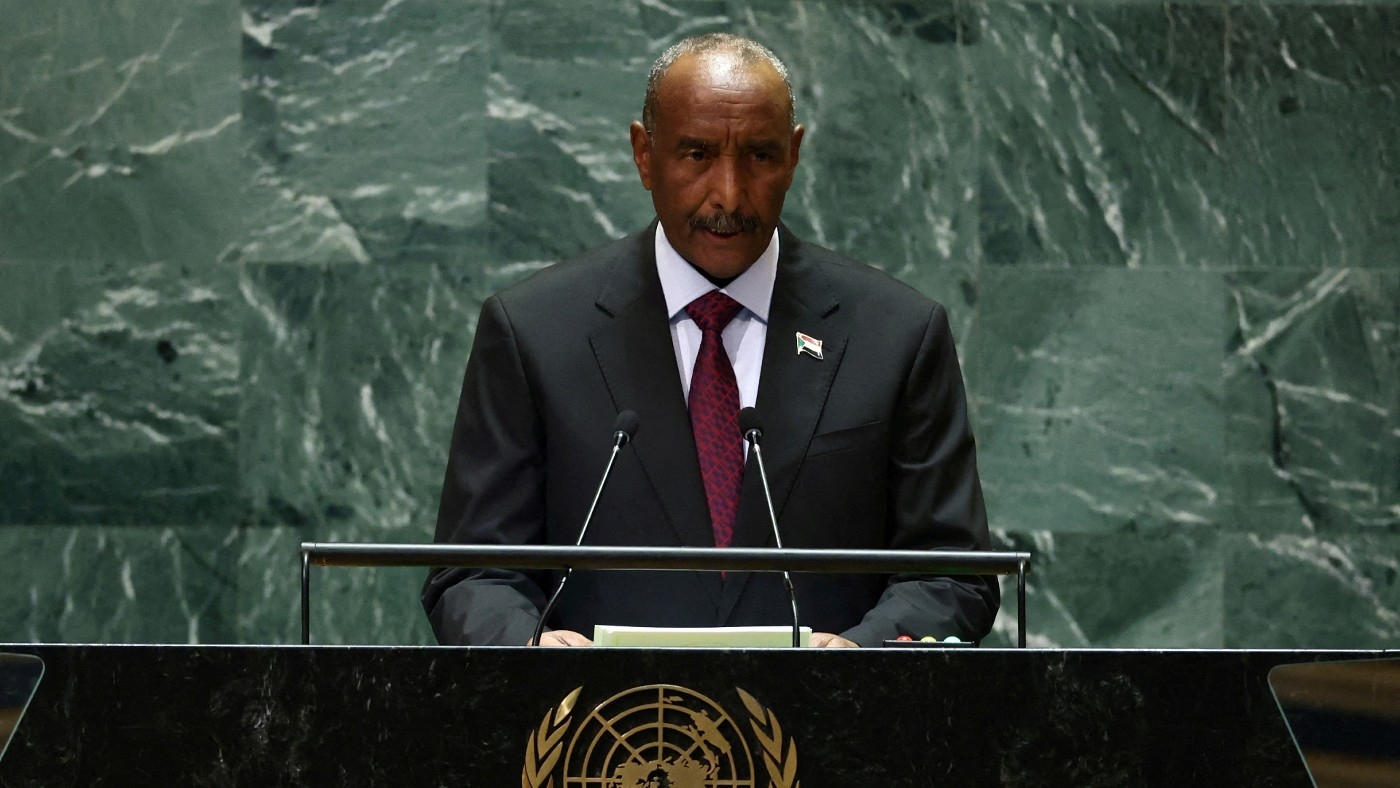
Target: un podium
316, 716
613, 718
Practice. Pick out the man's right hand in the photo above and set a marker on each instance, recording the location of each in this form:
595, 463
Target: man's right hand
561, 637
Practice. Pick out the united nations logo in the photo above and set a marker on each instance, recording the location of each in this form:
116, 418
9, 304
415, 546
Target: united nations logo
658, 736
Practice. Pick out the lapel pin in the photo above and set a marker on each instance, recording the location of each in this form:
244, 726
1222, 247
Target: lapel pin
809, 345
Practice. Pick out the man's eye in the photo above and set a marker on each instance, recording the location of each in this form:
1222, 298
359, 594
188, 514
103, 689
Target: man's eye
762, 156
695, 155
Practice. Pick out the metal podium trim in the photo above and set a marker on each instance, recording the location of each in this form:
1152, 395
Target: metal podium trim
733, 559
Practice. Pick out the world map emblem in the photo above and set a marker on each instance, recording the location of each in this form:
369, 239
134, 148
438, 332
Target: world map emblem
659, 736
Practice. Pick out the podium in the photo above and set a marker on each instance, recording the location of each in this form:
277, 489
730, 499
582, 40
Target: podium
429, 716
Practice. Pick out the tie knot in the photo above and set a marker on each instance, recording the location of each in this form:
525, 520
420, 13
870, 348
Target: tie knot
713, 310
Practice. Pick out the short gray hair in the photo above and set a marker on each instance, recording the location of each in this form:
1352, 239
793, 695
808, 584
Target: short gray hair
712, 43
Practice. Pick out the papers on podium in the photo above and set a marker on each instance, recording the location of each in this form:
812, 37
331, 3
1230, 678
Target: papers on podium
698, 637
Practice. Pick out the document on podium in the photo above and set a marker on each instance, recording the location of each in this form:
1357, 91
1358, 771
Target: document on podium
698, 637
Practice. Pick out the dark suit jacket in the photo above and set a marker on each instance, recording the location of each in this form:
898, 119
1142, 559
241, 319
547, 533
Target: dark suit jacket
866, 448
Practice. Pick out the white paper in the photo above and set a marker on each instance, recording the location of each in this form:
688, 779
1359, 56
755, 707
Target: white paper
698, 637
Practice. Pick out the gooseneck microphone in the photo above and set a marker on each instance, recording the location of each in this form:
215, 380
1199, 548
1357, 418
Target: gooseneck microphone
752, 428
624, 429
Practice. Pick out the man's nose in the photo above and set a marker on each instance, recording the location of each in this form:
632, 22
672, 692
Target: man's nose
726, 184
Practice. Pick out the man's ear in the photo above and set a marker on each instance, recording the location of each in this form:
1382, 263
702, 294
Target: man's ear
794, 150
641, 152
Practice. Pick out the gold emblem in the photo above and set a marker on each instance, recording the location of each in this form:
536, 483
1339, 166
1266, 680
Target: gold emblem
658, 736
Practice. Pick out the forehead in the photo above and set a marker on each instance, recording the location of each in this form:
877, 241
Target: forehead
722, 87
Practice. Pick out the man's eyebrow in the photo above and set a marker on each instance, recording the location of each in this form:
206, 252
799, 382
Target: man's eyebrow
694, 142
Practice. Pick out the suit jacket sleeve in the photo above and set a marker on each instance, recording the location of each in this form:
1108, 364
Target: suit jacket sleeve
934, 501
493, 494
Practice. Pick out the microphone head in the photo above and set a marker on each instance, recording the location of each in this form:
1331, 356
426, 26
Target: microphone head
750, 424
625, 427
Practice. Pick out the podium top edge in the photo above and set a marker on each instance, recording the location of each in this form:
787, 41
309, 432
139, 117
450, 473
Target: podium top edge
666, 558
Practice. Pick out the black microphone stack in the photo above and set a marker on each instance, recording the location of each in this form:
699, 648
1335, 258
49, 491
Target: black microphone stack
624, 429
752, 428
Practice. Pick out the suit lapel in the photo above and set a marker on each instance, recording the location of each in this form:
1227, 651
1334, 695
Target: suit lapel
638, 363
792, 393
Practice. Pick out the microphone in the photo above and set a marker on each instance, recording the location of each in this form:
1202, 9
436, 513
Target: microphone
624, 429
752, 428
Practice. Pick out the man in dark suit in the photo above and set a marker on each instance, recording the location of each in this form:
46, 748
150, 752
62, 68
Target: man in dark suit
712, 308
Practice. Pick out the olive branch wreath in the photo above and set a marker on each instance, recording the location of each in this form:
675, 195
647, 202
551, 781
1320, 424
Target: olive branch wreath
547, 744
782, 769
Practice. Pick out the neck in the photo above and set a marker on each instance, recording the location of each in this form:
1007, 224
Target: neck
714, 280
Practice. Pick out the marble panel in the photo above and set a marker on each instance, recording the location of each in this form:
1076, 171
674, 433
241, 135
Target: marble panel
349, 605
1160, 588
118, 126
573, 32
352, 379
1097, 398
665, 23
1313, 392
118, 394
1310, 148
1101, 135
365, 124
1186, 135
1312, 591
565, 84
98, 584
561, 173
888, 163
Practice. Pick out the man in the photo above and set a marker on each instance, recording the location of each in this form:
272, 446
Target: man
713, 308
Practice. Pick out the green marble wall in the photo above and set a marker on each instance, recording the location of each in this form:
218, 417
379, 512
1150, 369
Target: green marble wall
242, 247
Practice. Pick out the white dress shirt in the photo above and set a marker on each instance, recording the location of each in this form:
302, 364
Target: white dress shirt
745, 334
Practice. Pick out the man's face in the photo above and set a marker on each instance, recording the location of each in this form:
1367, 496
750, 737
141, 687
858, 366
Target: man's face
720, 159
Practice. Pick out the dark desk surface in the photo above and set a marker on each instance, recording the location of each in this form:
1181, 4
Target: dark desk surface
294, 715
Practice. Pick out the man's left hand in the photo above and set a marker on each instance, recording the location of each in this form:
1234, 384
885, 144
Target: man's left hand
828, 640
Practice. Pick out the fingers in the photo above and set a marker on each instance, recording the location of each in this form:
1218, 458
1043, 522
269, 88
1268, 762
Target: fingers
828, 640
562, 638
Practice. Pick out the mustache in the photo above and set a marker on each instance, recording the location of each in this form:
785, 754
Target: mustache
726, 223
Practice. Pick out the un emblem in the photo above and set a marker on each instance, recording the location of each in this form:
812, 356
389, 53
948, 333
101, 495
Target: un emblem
658, 736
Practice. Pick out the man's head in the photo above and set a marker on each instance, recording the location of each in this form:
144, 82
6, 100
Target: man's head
717, 147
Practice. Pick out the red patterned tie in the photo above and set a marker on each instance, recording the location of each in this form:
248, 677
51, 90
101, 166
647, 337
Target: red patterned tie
714, 413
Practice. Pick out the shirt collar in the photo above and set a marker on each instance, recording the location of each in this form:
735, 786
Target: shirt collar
682, 284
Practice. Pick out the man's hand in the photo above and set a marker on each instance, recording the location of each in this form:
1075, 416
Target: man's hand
828, 640
562, 637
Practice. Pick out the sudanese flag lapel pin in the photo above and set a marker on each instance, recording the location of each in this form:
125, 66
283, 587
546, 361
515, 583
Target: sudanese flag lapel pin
809, 345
